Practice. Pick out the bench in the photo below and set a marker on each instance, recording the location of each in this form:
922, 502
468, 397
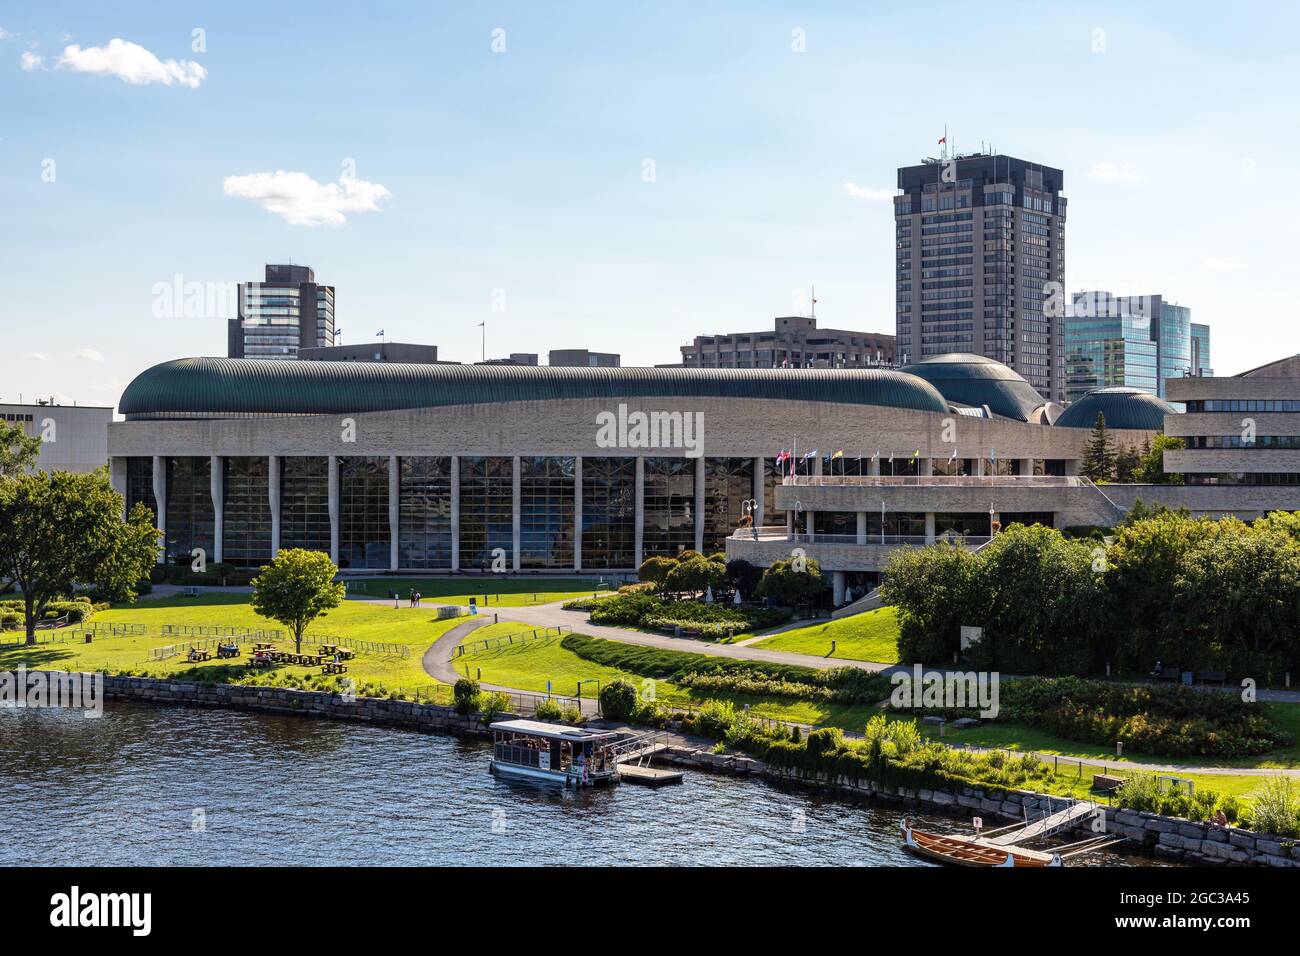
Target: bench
200, 655
1168, 673
1107, 783
189, 591
1219, 678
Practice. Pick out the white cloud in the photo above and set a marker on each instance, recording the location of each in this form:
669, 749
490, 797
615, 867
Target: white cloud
30, 61
1220, 265
857, 192
131, 63
4, 34
90, 355
1115, 173
303, 201
37, 357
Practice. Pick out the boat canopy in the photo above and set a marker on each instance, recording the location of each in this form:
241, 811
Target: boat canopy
535, 728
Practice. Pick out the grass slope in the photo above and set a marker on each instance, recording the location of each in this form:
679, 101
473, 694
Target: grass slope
869, 636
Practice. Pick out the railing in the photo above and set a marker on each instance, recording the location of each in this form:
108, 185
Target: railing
361, 647
631, 748
217, 630
519, 637
63, 638
102, 627
747, 534
946, 481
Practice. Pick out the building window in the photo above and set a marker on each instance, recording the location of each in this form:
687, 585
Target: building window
669, 520
486, 510
364, 532
424, 521
246, 518
139, 486
190, 516
608, 513
546, 491
728, 482
304, 503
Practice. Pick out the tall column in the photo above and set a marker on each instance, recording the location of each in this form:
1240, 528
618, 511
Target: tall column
1072, 467
862, 527
810, 525
929, 527
577, 513
837, 587
874, 468
333, 486
1026, 467
117, 474
217, 485
817, 464
699, 504
160, 501
273, 499
394, 508
516, 499
979, 466
639, 526
925, 466
759, 489
455, 513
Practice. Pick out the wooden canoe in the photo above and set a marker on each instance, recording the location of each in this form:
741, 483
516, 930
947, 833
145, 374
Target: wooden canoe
962, 852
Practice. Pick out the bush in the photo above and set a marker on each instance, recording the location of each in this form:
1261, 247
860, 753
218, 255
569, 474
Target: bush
549, 710
716, 719
465, 696
1277, 808
572, 714
617, 700
490, 705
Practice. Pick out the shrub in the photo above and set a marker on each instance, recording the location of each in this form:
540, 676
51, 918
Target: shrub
655, 570
572, 714
1277, 808
490, 705
716, 718
465, 696
617, 700
549, 709
827, 740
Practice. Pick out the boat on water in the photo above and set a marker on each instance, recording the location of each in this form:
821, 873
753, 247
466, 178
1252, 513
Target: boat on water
557, 753
960, 851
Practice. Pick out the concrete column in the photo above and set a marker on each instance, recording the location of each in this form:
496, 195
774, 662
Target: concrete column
925, 466
874, 469
1026, 467
332, 483
810, 525
273, 499
117, 475
979, 466
217, 486
929, 527
699, 504
577, 513
759, 490
516, 493
455, 513
837, 587
817, 464
160, 501
1072, 466
789, 523
862, 528
639, 526
394, 508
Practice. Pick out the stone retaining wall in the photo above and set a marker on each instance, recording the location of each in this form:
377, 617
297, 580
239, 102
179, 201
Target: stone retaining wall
1165, 837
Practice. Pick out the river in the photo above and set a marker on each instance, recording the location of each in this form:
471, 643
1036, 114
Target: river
162, 786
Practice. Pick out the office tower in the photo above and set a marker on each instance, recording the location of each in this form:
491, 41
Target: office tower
1094, 318
794, 342
980, 264
1201, 366
277, 317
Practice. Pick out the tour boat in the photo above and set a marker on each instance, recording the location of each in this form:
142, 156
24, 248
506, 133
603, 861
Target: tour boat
569, 756
963, 852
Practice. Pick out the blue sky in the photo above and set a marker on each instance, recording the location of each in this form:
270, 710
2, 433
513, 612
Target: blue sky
516, 178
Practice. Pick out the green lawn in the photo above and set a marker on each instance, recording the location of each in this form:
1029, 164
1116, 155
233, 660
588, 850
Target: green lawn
489, 591
351, 620
870, 636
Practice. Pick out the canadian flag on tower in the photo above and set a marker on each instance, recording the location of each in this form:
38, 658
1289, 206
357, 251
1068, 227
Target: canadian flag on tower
943, 139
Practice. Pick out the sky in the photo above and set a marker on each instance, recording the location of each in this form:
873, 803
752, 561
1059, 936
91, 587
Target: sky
619, 177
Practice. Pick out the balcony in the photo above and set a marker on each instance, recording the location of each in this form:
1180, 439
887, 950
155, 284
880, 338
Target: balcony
833, 552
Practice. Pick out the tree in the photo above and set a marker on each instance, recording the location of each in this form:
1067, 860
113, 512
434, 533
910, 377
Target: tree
934, 592
1287, 522
58, 529
785, 583
18, 450
296, 588
695, 575
743, 577
655, 570
1099, 453
1127, 461
1151, 467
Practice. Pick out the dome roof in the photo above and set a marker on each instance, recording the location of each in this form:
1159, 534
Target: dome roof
1123, 407
975, 380
223, 387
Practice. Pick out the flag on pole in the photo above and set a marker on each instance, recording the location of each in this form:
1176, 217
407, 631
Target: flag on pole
839, 453
954, 456
943, 139
810, 455
916, 454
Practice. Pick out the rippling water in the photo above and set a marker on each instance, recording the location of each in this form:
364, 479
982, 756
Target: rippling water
127, 788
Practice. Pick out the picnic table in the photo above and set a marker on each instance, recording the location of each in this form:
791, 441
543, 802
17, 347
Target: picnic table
328, 648
197, 655
264, 646
333, 667
346, 653
228, 650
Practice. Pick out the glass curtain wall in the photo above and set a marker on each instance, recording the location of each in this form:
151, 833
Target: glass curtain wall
424, 524
608, 513
546, 492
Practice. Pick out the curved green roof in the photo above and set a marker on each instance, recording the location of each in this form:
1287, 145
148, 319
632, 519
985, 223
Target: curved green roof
975, 380
1124, 407
219, 387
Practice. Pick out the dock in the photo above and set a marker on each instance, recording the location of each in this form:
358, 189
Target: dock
648, 776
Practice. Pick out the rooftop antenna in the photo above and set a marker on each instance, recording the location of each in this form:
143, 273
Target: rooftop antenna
483, 326
813, 296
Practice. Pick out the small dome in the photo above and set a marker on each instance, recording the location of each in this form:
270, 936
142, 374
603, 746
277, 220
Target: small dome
968, 379
1122, 406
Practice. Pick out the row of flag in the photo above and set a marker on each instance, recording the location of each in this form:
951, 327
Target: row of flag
784, 456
